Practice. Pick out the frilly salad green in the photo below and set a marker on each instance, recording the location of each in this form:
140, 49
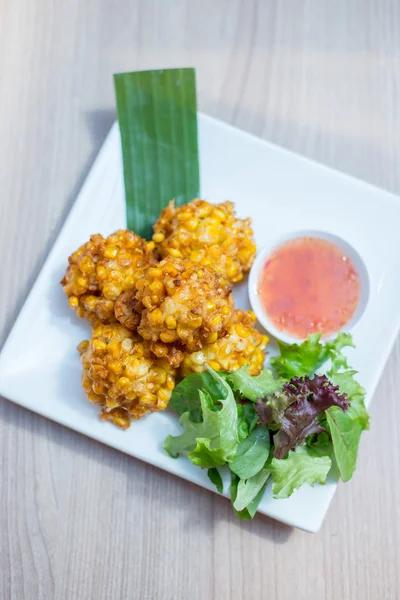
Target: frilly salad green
290, 424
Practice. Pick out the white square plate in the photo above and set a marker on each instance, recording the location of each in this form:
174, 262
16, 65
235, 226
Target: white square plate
282, 192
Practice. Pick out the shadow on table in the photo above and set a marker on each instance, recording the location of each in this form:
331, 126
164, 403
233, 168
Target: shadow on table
189, 506
98, 123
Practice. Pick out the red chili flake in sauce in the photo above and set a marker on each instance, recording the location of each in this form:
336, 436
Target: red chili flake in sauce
309, 285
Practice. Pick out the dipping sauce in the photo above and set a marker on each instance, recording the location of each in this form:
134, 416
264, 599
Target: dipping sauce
309, 285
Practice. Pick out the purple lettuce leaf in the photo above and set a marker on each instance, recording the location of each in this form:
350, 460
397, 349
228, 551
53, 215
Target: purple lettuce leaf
293, 411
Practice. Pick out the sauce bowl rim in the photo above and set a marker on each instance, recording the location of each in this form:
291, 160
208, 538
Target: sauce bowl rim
267, 250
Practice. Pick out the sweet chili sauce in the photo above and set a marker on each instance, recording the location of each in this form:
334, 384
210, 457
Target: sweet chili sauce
309, 285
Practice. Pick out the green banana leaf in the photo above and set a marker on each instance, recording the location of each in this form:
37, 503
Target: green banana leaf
157, 117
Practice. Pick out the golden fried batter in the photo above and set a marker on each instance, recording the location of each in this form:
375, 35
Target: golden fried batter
207, 234
183, 302
101, 269
121, 375
128, 311
242, 344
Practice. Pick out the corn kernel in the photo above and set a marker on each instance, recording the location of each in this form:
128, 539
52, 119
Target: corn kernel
183, 216
214, 365
174, 252
159, 350
154, 273
212, 337
170, 322
113, 349
122, 383
73, 302
82, 281
90, 302
219, 214
193, 321
87, 265
183, 333
159, 376
164, 395
147, 303
168, 336
140, 284
111, 252
170, 383
157, 287
148, 399
83, 346
196, 256
156, 317
101, 273
150, 246
242, 331
115, 367
122, 421
99, 345
158, 238
191, 224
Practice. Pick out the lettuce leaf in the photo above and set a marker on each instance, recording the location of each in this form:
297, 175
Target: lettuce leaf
214, 440
185, 397
248, 419
215, 478
294, 410
249, 489
254, 387
252, 453
298, 360
246, 514
302, 466
346, 428
185, 442
205, 456
345, 433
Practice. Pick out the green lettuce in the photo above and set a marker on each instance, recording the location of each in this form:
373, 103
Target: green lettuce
252, 453
346, 427
254, 387
250, 489
302, 466
185, 397
246, 514
298, 360
214, 440
186, 441
215, 478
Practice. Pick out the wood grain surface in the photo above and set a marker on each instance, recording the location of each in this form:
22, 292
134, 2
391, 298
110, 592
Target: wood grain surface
82, 521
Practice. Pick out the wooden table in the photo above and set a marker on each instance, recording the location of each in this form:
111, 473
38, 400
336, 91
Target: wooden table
80, 520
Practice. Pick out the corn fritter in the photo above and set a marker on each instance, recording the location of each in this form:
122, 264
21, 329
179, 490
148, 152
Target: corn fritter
101, 269
184, 303
122, 376
208, 235
128, 310
242, 344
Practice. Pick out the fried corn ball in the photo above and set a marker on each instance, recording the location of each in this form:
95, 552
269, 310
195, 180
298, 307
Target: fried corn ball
121, 375
128, 311
183, 303
207, 234
101, 269
242, 344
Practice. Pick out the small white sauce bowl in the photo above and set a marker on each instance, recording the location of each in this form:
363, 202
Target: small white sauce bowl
267, 251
